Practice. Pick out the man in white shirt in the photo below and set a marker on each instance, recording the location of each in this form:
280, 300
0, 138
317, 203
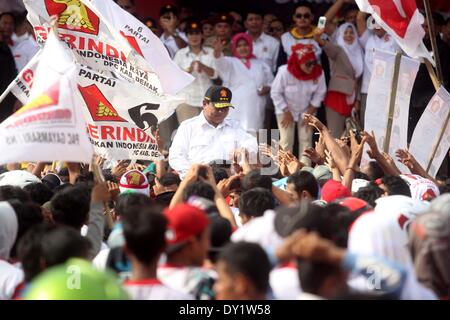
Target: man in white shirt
199, 61
209, 136
265, 47
171, 37
303, 31
23, 46
370, 40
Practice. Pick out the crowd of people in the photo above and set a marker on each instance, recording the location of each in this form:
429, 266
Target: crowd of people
222, 215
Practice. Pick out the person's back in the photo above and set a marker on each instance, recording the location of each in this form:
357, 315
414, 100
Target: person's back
188, 243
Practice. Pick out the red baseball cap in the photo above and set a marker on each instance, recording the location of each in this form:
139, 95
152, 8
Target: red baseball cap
185, 221
333, 190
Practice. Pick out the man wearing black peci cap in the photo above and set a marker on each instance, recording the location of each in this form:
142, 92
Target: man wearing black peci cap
171, 37
199, 61
210, 135
222, 30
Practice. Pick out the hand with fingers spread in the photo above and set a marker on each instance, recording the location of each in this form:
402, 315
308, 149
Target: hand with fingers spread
312, 121
113, 189
226, 186
136, 166
320, 147
374, 152
356, 149
291, 162
312, 154
119, 169
405, 157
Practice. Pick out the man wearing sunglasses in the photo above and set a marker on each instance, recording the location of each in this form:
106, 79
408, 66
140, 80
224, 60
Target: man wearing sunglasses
303, 30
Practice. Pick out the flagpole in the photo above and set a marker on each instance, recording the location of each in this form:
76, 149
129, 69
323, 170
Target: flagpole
392, 100
7, 91
432, 33
441, 135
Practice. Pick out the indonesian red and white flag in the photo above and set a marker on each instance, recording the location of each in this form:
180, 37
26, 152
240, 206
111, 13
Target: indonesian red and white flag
50, 125
402, 20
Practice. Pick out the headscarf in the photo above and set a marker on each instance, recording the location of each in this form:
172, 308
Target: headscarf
234, 44
421, 188
8, 229
354, 51
430, 249
382, 233
302, 53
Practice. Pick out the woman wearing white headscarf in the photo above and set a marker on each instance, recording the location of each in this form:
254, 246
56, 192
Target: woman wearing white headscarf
384, 233
347, 65
10, 276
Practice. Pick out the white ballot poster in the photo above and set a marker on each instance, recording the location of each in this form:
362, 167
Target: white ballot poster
378, 102
427, 132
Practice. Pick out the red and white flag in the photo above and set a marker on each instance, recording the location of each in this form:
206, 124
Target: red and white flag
402, 20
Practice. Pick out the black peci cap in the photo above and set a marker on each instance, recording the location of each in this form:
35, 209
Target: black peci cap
219, 96
167, 9
193, 27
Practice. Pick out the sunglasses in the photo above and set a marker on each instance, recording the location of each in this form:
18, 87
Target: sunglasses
300, 15
310, 64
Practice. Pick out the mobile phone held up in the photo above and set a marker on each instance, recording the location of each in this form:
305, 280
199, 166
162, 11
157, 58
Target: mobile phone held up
322, 22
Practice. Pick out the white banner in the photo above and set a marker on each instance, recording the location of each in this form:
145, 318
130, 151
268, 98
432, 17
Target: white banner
378, 100
101, 35
427, 131
50, 126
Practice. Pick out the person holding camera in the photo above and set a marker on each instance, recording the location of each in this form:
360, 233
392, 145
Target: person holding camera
171, 37
210, 135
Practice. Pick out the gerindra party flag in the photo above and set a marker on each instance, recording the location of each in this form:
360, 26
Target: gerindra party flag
50, 126
402, 20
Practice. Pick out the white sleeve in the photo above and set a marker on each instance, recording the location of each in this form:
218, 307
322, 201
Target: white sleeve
277, 91
224, 66
319, 94
364, 38
178, 152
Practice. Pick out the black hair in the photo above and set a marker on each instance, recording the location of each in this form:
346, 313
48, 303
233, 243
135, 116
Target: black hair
144, 232
71, 206
256, 11
219, 172
304, 4
199, 188
11, 14
9, 192
28, 214
375, 171
132, 1
255, 202
445, 188
51, 244
127, 200
395, 185
39, 192
312, 275
361, 175
107, 174
250, 260
348, 8
254, 179
369, 194
220, 235
304, 181
341, 218
169, 179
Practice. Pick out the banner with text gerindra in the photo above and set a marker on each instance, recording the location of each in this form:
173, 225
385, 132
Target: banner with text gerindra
105, 37
50, 126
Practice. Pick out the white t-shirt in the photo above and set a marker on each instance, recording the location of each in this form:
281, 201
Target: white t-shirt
194, 93
267, 48
171, 44
194, 281
285, 283
153, 289
23, 49
10, 278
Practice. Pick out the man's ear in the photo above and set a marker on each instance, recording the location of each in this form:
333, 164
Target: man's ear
305, 195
